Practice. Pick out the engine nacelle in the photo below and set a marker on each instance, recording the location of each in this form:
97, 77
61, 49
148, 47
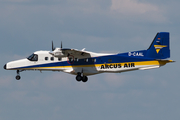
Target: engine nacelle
57, 53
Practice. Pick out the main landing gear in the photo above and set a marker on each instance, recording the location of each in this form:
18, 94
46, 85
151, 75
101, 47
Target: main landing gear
81, 78
18, 77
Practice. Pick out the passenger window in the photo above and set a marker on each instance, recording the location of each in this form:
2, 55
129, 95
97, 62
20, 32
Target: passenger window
86, 60
76, 59
46, 58
71, 59
94, 60
52, 58
59, 59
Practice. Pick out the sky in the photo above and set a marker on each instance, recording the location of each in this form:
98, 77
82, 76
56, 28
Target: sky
107, 26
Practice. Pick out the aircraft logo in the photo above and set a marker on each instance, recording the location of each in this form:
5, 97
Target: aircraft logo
159, 47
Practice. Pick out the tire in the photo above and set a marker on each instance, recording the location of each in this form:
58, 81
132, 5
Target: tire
18, 77
78, 78
84, 78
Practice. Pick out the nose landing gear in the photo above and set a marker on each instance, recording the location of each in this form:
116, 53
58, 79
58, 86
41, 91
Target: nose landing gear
18, 77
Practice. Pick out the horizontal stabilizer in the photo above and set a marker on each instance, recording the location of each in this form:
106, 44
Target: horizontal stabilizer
146, 68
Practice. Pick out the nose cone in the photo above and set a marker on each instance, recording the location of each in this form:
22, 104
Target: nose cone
5, 66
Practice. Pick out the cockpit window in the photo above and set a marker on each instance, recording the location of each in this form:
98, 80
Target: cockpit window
33, 57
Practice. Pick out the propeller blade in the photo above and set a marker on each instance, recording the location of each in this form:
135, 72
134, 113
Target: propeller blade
53, 46
61, 44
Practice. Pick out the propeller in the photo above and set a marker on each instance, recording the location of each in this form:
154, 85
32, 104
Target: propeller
61, 44
53, 48
57, 52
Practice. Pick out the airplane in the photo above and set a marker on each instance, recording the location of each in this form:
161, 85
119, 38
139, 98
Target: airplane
84, 63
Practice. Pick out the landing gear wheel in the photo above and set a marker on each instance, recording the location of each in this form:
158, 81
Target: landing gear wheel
84, 78
18, 77
78, 78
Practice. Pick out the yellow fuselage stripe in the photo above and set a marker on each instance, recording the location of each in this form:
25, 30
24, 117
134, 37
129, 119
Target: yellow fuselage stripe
99, 65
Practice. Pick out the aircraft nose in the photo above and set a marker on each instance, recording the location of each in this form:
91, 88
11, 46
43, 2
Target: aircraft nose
5, 66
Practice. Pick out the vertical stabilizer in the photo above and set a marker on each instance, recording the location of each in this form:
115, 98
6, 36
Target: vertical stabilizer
159, 48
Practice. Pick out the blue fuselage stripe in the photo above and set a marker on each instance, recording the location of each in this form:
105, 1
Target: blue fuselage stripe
119, 58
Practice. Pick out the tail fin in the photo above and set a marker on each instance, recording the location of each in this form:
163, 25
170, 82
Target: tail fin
159, 48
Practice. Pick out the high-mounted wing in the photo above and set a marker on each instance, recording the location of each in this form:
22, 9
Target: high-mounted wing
66, 52
75, 52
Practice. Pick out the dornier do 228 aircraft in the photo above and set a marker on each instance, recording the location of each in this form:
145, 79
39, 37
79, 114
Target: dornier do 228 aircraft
84, 63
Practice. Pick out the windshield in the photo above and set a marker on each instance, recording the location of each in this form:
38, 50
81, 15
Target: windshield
33, 57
